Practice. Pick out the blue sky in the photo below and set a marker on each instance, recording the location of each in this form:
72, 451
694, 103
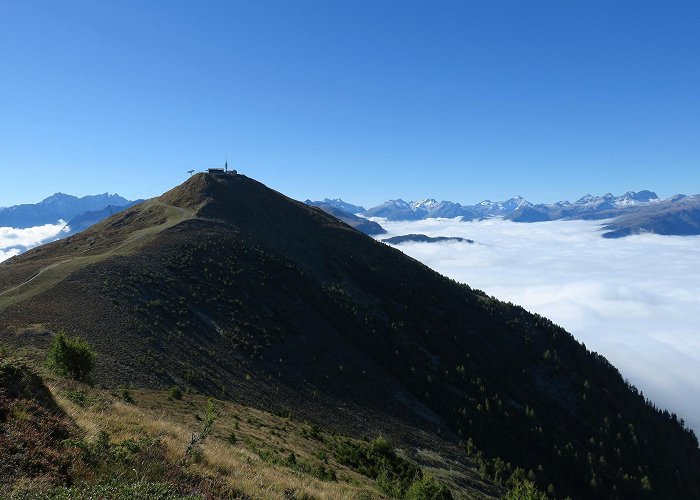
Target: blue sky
367, 100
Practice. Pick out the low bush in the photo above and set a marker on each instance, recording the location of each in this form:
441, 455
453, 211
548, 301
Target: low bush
175, 393
426, 488
71, 357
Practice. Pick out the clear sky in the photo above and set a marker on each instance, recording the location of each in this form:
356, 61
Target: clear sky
366, 100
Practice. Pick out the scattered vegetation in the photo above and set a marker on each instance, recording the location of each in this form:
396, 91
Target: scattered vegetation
291, 461
395, 476
525, 490
78, 397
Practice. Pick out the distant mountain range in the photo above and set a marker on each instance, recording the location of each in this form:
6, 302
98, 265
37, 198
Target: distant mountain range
587, 207
631, 213
57, 207
339, 204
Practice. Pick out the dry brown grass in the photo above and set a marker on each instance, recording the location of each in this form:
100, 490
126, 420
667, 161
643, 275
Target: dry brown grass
173, 423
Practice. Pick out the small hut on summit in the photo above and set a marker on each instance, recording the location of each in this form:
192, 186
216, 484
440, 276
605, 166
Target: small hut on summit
222, 171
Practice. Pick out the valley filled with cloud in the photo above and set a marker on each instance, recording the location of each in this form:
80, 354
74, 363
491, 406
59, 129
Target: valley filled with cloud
14, 241
634, 300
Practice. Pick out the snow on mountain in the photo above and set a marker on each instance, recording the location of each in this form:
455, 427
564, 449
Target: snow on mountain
426, 204
344, 206
588, 207
632, 198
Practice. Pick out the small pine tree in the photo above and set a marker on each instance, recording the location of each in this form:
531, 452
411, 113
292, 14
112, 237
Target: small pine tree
71, 357
175, 393
126, 396
525, 490
232, 439
193, 450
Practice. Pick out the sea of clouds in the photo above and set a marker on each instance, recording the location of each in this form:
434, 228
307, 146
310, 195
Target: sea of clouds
14, 241
635, 300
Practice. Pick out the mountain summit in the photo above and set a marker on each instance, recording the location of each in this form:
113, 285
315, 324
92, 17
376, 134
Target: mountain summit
234, 289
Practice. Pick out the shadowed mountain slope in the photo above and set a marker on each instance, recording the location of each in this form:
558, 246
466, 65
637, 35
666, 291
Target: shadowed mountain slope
360, 223
680, 216
241, 292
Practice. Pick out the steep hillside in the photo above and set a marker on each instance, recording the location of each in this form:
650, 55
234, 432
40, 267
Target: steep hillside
238, 291
361, 224
64, 439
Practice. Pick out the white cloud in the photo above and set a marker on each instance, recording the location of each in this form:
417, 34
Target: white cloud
14, 241
636, 300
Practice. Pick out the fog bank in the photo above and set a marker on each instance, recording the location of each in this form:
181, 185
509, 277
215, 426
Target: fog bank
14, 241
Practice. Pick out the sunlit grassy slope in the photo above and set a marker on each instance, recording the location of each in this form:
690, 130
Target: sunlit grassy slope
71, 440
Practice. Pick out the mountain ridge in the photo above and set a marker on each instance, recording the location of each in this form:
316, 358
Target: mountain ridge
59, 206
634, 212
238, 291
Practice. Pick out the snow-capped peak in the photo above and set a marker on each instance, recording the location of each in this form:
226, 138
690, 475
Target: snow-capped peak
426, 204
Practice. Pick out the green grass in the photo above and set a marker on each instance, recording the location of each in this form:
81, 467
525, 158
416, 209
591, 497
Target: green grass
51, 274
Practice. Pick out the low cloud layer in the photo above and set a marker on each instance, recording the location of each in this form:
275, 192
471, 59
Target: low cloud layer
14, 241
635, 300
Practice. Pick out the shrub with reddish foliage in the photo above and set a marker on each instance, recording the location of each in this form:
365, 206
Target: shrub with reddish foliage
32, 429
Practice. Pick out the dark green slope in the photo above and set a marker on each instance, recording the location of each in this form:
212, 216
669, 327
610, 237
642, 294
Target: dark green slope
247, 294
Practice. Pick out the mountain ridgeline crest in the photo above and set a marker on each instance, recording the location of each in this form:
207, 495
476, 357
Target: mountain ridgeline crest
238, 291
58, 206
628, 214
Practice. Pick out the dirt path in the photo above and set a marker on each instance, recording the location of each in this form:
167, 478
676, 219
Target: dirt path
10, 290
53, 273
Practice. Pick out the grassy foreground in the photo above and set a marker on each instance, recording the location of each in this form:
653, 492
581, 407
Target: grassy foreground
66, 439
